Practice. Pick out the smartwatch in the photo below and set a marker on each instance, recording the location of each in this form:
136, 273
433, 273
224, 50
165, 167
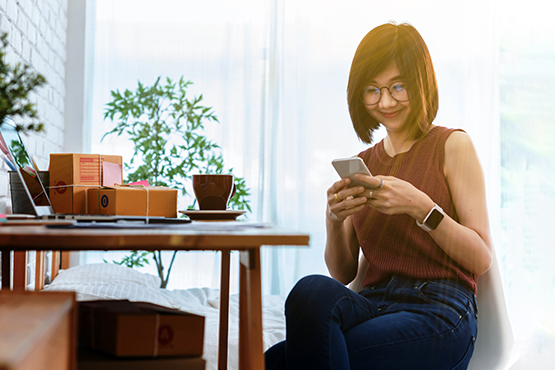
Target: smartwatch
432, 220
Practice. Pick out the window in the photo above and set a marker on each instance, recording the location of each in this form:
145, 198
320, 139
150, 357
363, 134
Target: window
276, 72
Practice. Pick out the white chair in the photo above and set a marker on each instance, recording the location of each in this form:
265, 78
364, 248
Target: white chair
495, 347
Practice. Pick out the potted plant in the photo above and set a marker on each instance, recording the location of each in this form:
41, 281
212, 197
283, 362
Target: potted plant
16, 83
166, 128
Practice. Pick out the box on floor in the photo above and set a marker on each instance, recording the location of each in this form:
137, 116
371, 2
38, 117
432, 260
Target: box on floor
126, 329
93, 360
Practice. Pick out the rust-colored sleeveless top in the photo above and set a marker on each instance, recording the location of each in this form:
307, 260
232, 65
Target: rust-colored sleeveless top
394, 244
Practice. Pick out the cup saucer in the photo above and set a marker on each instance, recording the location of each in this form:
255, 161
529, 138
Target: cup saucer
212, 215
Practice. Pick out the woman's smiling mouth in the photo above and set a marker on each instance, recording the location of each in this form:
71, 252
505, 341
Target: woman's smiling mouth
390, 115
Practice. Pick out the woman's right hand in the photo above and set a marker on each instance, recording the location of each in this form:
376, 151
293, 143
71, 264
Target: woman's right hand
343, 201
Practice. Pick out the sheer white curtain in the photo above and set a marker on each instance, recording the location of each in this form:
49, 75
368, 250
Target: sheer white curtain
221, 47
315, 45
276, 71
527, 57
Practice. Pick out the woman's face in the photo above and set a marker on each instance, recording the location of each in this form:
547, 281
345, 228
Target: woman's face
390, 112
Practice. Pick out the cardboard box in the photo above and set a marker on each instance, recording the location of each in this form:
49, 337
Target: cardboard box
94, 360
71, 175
137, 329
133, 201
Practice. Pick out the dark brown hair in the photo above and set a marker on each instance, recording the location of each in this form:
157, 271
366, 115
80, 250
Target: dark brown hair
400, 44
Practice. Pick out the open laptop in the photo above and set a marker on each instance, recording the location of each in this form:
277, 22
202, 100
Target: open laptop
19, 158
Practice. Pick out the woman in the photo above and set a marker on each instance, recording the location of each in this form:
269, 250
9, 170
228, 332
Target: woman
421, 224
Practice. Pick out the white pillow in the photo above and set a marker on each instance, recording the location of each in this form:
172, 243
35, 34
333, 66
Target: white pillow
107, 273
110, 281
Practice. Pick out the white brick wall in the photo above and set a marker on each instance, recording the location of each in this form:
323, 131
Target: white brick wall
37, 36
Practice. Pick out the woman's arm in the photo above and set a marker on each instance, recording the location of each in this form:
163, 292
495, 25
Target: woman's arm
468, 241
356, 284
342, 247
341, 252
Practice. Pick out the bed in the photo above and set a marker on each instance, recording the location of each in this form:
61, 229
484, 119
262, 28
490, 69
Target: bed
495, 348
110, 281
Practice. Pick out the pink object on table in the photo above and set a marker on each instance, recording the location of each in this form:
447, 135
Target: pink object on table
111, 174
142, 182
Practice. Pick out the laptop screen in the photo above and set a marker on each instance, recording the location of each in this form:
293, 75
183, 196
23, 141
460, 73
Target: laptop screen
17, 154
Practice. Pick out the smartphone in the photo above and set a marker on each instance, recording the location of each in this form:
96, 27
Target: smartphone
348, 167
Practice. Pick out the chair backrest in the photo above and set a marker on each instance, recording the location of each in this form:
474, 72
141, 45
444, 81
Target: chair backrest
495, 347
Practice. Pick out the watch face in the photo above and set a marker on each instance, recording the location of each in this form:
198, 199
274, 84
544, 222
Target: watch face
434, 219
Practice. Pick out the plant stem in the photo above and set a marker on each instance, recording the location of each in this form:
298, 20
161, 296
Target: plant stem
165, 281
159, 265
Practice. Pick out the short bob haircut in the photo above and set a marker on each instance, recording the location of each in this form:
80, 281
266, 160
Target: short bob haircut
400, 44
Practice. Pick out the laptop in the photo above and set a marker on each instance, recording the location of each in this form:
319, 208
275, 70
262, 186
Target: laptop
19, 160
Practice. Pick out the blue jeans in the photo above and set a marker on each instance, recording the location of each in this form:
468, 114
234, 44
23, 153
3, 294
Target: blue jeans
399, 324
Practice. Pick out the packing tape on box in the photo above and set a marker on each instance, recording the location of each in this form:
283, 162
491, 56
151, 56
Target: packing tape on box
147, 198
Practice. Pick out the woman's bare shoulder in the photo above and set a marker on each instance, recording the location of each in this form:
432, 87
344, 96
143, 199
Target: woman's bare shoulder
459, 153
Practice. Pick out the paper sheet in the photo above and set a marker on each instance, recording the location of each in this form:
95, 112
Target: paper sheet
111, 174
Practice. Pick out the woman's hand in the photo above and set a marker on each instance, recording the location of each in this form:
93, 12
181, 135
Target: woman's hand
344, 201
391, 196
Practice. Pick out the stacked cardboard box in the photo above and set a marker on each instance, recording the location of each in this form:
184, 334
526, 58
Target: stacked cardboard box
123, 334
83, 183
72, 174
134, 201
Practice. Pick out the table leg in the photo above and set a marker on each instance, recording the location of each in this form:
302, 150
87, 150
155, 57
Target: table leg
65, 256
20, 270
6, 270
40, 270
224, 310
55, 268
251, 348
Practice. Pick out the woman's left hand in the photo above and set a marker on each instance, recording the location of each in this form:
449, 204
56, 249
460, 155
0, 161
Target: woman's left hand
391, 195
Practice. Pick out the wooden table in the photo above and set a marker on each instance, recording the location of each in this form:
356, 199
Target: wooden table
225, 237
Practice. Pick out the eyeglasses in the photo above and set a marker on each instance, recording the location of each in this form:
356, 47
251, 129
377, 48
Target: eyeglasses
371, 95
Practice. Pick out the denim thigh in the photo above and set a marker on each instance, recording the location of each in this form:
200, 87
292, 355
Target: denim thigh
403, 324
421, 325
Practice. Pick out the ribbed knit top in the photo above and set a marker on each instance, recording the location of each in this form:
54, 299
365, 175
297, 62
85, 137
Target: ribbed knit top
394, 244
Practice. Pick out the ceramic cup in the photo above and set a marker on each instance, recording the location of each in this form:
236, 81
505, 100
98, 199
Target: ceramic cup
213, 191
